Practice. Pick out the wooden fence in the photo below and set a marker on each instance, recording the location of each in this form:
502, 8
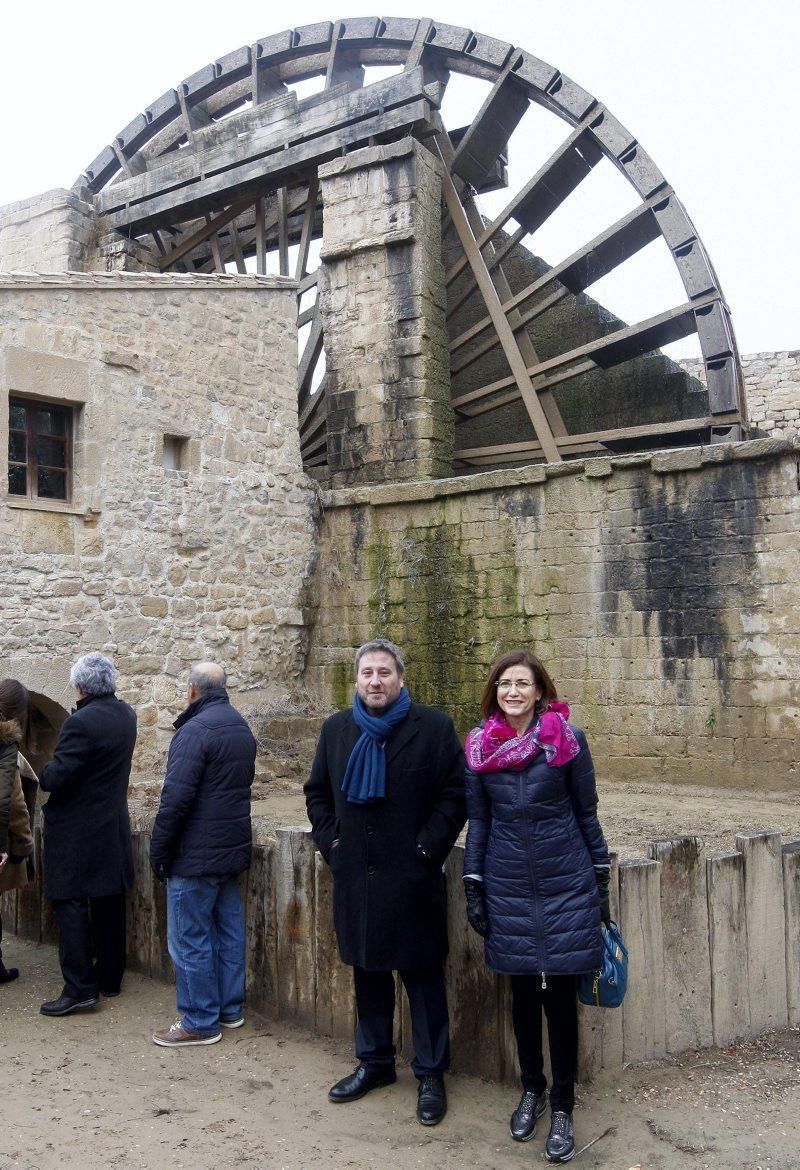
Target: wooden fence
714, 945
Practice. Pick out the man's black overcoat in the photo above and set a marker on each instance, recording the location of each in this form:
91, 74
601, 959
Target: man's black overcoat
87, 831
389, 900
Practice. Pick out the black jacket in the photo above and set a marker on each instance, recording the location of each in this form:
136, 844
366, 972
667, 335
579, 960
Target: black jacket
202, 826
389, 900
87, 832
534, 837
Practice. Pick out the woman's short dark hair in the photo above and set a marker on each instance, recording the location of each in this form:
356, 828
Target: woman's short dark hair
489, 704
13, 701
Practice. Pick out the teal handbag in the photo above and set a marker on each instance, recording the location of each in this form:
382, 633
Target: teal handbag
606, 987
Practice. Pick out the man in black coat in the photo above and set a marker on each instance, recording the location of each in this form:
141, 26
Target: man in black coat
200, 844
88, 860
386, 803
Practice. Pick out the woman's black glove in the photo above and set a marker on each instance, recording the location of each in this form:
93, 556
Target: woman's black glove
476, 907
603, 877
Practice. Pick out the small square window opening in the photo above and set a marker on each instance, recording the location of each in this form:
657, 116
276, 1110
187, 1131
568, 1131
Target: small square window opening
174, 452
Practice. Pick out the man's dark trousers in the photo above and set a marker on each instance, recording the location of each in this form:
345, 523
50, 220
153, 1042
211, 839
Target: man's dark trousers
375, 1000
91, 944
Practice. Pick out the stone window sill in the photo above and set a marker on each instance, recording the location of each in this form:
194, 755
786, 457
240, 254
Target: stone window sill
28, 505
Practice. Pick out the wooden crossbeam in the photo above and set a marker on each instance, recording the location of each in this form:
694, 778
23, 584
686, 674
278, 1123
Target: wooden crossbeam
307, 364
308, 227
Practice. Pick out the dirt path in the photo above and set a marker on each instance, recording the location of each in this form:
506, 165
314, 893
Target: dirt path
91, 1091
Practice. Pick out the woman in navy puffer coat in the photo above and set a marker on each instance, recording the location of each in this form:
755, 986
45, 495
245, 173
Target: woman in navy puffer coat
536, 873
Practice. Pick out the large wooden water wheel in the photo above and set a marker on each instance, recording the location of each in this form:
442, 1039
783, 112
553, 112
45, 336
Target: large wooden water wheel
220, 174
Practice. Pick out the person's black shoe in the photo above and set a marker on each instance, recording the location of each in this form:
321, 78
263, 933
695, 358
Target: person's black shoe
560, 1144
431, 1100
111, 993
65, 1004
363, 1079
523, 1119
8, 974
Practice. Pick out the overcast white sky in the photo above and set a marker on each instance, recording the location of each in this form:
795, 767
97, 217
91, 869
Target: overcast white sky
708, 87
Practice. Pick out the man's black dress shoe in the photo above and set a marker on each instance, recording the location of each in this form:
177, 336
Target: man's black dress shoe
431, 1100
66, 1004
523, 1119
361, 1081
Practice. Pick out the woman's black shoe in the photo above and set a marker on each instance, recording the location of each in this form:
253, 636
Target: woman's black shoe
560, 1144
523, 1119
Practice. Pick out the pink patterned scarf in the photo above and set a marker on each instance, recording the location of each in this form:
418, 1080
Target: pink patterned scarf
496, 747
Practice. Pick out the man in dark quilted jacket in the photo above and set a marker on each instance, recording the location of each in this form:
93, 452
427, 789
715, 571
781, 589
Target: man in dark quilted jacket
201, 842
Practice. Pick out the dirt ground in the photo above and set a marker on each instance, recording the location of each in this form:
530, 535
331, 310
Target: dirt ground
92, 1091
631, 814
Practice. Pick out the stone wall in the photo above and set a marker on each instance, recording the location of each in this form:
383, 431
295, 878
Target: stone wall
52, 232
159, 567
662, 591
772, 387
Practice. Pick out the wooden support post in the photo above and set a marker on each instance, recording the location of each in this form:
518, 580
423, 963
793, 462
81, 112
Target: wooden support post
261, 238
262, 941
334, 1006
766, 929
791, 896
727, 931
684, 924
643, 1011
283, 231
307, 228
600, 1029
294, 913
472, 990
140, 906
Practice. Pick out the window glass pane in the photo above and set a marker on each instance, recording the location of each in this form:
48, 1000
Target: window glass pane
17, 447
16, 417
51, 422
52, 485
17, 481
51, 452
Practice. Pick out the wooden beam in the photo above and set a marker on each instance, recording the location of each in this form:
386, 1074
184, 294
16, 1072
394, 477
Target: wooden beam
499, 320
236, 248
308, 362
283, 231
491, 128
212, 224
261, 237
308, 227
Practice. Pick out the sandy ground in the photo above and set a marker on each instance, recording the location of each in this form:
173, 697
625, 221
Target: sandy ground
91, 1091
631, 814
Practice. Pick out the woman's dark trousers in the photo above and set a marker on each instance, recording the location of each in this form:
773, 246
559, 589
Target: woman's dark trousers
91, 944
561, 1009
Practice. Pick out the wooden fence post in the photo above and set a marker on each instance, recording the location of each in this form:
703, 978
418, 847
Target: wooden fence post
766, 929
684, 929
791, 894
294, 913
335, 1004
262, 939
600, 1029
727, 929
643, 1009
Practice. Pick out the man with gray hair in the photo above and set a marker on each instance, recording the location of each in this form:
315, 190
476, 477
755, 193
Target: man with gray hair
201, 842
88, 859
386, 803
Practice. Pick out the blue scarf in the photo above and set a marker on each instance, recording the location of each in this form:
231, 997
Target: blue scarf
365, 775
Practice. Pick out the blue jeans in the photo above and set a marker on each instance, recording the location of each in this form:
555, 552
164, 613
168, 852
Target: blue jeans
206, 939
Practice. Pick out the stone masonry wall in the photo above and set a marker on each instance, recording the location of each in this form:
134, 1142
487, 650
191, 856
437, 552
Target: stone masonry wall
662, 590
52, 232
381, 294
159, 567
772, 387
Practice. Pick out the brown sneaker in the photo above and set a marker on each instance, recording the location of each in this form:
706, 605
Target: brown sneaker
178, 1037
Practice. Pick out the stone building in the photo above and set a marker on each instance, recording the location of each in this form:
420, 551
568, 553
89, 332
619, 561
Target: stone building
181, 484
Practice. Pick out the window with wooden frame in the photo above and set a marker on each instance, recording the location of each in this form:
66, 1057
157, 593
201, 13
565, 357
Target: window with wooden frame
39, 449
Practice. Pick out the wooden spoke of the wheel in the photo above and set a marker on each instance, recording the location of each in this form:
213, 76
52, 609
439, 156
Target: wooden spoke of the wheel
603, 352
499, 319
215, 248
595, 440
566, 168
491, 128
210, 227
341, 66
518, 322
498, 281
236, 248
308, 228
307, 364
596, 259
